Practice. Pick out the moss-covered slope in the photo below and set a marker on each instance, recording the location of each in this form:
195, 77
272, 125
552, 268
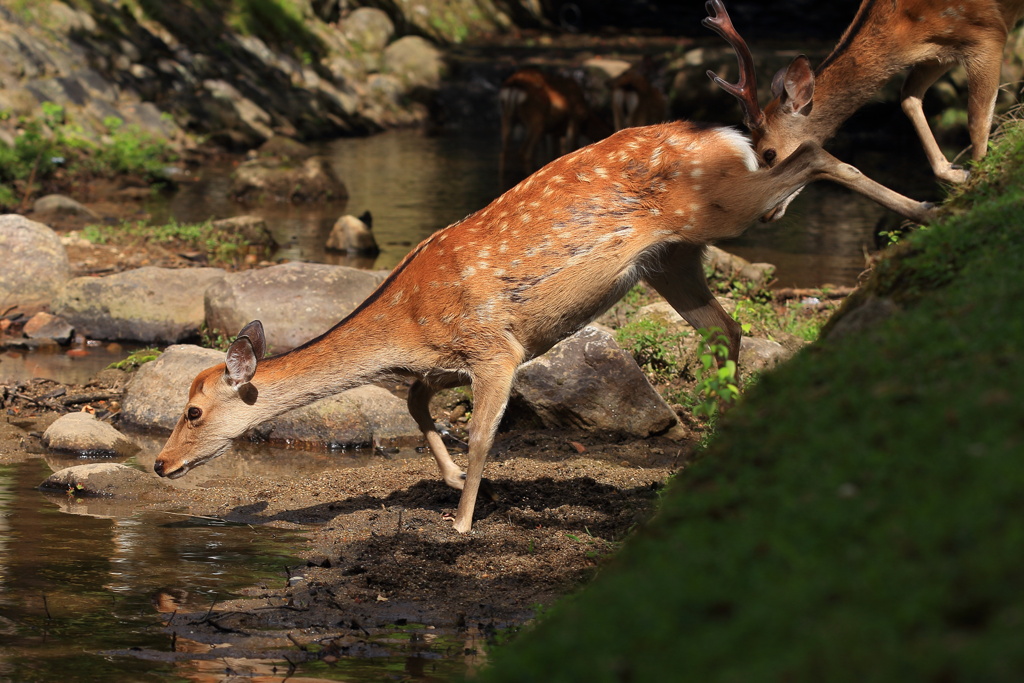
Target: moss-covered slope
861, 515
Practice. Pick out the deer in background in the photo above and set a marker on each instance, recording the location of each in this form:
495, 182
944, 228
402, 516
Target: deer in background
886, 36
476, 300
548, 108
635, 100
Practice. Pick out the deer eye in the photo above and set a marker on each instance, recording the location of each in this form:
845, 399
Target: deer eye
194, 413
769, 156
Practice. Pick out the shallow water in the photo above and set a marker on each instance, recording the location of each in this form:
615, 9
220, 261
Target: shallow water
91, 590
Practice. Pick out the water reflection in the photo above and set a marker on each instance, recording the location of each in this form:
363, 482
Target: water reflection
73, 586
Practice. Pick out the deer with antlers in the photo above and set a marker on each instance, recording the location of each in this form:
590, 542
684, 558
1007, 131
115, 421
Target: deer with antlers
887, 36
477, 299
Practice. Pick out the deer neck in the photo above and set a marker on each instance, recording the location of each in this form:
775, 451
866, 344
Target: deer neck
351, 354
866, 57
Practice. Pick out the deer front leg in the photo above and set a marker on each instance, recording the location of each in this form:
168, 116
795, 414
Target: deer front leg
811, 162
420, 394
492, 384
920, 78
680, 279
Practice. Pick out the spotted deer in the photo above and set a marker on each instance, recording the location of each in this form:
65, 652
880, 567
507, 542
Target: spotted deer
635, 100
887, 36
549, 108
476, 300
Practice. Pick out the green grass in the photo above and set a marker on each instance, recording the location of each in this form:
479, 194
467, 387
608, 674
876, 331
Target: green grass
221, 247
860, 515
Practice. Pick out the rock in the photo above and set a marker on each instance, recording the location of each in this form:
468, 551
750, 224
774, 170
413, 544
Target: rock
364, 416
863, 314
368, 28
295, 301
731, 267
354, 235
417, 62
153, 305
59, 205
271, 179
103, 479
157, 393
83, 435
284, 147
36, 265
47, 326
252, 229
758, 355
588, 383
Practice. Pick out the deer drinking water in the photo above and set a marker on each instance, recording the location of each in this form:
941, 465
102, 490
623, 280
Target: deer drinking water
477, 299
885, 37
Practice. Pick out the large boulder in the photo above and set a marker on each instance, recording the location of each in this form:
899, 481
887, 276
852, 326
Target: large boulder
36, 266
587, 383
416, 62
295, 301
153, 305
273, 179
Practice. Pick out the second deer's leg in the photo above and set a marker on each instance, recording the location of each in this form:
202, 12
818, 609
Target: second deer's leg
680, 279
920, 78
810, 162
420, 394
983, 75
492, 383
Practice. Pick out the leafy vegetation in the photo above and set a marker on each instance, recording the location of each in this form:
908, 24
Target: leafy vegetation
136, 359
218, 246
859, 515
50, 148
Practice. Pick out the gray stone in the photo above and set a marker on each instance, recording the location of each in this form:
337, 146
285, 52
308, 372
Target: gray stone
103, 479
46, 326
369, 28
588, 383
83, 435
159, 305
36, 265
59, 205
295, 301
272, 179
416, 61
148, 304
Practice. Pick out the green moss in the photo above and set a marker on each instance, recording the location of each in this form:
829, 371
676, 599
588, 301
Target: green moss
860, 516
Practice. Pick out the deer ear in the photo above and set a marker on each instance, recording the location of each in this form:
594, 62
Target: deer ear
795, 86
244, 353
254, 331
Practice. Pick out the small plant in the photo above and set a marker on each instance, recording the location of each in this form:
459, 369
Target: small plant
656, 348
135, 359
718, 386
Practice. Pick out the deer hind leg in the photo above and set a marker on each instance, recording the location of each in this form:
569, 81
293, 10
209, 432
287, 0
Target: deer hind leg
492, 384
920, 78
680, 279
420, 394
983, 75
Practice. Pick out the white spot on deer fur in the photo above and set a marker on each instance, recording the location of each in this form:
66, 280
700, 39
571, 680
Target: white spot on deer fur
695, 207
422, 321
740, 144
525, 217
601, 171
467, 271
503, 247
583, 177
678, 212
697, 172
656, 155
557, 179
443, 237
688, 226
397, 298
696, 188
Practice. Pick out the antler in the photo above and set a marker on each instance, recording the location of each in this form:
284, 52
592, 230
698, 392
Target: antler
745, 90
